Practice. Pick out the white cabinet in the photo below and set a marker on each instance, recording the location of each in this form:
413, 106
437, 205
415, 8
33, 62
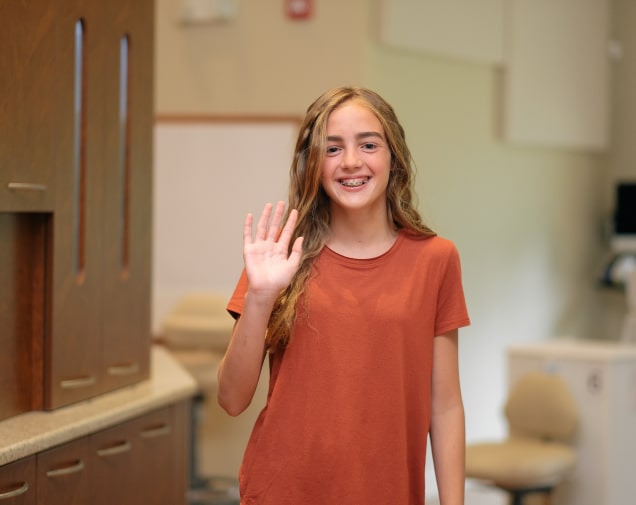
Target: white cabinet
602, 377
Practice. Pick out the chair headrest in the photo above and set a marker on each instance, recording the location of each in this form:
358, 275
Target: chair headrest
542, 405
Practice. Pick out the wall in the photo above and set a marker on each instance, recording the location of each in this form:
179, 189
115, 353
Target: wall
259, 62
208, 176
527, 221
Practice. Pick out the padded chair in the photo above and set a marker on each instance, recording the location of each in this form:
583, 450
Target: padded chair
537, 455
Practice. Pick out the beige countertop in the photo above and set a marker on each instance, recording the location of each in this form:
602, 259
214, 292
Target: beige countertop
32, 432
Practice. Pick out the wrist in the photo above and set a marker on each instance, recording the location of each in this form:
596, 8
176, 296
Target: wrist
261, 300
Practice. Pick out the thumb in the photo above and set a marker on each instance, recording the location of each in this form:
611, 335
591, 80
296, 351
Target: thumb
296, 252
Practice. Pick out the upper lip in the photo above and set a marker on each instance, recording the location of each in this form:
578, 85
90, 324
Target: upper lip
354, 177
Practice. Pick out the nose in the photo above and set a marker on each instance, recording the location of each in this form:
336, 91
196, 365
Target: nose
350, 159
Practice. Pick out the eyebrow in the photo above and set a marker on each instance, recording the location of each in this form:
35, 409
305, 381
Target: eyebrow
359, 136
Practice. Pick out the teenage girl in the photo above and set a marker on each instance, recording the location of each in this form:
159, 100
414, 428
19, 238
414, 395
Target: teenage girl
357, 303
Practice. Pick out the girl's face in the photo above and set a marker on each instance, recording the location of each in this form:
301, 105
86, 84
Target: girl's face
357, 163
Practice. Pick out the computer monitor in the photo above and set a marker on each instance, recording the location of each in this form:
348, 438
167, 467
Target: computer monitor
623, 237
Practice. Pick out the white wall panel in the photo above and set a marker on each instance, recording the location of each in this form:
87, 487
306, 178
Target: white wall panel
464, 29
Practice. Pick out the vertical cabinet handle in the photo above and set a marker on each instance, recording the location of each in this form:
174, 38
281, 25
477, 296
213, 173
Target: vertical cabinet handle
17, 491
123, 446
75, 467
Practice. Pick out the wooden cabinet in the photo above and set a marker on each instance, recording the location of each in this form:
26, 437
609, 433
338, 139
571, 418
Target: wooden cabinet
75, 199
101, 260
146, 458
76, 119
143, 460
30, 127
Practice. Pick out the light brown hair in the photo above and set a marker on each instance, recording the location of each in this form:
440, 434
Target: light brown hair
309, 198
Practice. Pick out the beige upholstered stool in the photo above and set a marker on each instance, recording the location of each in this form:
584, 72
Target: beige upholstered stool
198, 321
542, 417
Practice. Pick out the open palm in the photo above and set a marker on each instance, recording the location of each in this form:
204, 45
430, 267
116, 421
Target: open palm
269, 265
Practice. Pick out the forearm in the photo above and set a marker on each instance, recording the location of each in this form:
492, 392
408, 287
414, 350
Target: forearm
240, 368
448, 446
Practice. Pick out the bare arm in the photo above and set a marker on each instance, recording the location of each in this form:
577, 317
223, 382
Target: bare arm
448, 439
269, 269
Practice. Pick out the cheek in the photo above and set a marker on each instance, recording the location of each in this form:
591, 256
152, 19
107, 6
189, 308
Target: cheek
324, 178
326, 170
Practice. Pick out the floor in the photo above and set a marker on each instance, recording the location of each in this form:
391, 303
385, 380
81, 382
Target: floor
478, 496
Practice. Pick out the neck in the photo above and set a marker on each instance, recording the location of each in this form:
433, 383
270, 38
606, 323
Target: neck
360, 236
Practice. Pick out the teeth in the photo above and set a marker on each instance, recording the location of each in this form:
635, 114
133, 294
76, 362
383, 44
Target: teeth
353, 183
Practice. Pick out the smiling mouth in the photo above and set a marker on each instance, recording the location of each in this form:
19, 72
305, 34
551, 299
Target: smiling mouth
354, 183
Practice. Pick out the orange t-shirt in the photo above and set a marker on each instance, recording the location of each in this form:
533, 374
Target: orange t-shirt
348, 408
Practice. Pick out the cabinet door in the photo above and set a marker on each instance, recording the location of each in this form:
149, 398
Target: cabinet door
112, 466
29, 129
74, 345
160, 457
127, 186
17, 482
62, 474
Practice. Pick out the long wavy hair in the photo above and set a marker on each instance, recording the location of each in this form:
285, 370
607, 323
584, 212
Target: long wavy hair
309, 198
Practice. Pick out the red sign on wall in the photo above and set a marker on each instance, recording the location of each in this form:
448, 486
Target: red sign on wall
299, 9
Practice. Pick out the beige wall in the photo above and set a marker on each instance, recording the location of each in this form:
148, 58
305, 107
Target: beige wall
527, 221
260, 62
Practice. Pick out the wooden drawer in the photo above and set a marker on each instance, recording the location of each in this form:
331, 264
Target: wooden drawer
17, 482
63, 474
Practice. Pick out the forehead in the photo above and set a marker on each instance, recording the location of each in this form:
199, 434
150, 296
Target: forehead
354, 114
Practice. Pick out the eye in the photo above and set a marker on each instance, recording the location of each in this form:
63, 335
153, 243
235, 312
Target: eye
332, 150
369, 146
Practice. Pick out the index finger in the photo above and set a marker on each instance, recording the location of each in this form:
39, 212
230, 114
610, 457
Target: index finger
247, 229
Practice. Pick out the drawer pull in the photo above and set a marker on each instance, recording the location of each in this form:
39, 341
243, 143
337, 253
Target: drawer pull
124, 446
155, 431
26, 186
23, 488
124, 369
78, 466
79, 382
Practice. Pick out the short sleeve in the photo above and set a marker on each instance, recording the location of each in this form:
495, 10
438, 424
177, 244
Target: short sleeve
237, 300
452, 312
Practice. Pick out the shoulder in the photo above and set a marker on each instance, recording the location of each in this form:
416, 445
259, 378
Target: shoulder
430, 245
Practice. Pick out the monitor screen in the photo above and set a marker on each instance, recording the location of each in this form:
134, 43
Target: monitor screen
625, 213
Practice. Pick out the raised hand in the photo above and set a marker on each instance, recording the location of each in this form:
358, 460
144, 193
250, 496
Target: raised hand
269, 266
